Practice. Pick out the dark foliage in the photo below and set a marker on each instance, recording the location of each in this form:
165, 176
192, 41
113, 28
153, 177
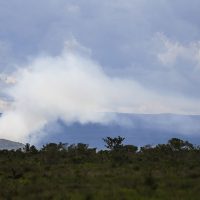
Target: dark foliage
62, 171
113, 143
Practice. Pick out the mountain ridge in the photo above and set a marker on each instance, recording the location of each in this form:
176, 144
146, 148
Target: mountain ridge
10, 145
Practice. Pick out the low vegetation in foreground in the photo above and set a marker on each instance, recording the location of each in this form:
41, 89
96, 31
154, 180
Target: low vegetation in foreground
122, 172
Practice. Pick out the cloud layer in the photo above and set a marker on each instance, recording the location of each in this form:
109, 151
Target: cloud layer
74, 88
137, 61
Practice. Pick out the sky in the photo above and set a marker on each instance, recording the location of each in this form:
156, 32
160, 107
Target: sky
85, 61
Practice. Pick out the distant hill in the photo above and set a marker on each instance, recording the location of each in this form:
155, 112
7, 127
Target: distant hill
7, 144
138, 129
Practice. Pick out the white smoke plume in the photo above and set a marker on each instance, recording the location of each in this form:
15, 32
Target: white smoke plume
74, 88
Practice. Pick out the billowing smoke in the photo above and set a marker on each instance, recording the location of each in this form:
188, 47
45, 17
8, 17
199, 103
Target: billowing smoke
74, 88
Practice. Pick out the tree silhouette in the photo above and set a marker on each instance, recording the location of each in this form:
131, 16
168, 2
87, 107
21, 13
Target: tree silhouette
178, 144
27, 147
113, 143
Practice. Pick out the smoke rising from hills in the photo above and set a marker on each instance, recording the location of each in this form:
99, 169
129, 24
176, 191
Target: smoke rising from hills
74, 88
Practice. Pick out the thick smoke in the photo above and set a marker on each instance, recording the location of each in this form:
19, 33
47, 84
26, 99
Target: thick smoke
74, 88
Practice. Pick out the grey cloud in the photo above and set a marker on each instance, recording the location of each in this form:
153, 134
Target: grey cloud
116, 31
119, 34
122, 36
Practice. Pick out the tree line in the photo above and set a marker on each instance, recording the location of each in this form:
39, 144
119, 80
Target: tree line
120, 171
115, 150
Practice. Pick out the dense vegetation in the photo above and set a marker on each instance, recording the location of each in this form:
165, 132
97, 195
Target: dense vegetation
61, 171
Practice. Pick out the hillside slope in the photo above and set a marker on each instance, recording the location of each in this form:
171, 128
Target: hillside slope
7, 144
